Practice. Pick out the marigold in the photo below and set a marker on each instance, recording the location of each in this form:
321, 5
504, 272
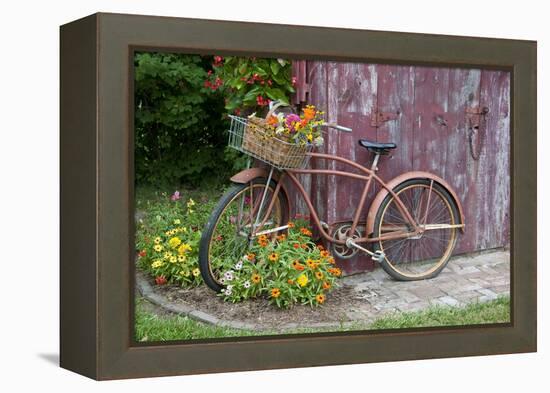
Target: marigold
256, 278
302, 280
325, 254
319, 275
184, 248
326, 285
275, 292
273, 257
174, 242
305, 231
320, 298
335, 271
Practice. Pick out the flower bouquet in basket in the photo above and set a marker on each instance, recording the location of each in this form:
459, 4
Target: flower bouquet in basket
284, 139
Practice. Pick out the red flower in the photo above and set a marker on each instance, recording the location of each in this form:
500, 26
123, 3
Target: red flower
218, 60
160, 280
142, 253
261, 101
237, 111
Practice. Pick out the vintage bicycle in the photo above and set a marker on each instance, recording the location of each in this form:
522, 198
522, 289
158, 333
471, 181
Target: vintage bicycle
411, 228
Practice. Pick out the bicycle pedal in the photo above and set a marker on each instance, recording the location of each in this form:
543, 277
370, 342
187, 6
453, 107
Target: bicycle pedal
378, 256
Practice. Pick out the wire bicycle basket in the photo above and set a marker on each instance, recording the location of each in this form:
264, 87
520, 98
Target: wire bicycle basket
248, 135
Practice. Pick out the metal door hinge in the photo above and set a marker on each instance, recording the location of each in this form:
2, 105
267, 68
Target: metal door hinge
381, 117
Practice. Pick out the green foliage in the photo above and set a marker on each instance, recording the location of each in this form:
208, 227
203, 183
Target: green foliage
179, 123
289, 269
250, 83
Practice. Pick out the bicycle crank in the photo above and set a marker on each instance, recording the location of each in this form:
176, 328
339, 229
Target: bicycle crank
376, 256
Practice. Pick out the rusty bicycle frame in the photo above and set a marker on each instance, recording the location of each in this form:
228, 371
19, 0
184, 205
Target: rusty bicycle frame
367, 175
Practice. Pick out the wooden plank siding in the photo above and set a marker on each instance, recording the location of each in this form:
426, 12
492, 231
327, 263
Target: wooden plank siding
432, 108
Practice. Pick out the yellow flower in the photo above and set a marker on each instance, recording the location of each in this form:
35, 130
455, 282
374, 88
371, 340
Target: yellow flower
184, 248
174, 242
173, 259
309, 137
318, 275
183, 229
275, 292
158, 263
185, 273
181, 258
190, 203
158, 247
255, 278
302, 280
196, 272
177, 221
157, 240
273, 257
167, 255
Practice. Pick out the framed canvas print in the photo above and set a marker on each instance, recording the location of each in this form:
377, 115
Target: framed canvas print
242, 196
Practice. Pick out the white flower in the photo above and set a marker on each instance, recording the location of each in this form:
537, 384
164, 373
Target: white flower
228, 275
239, 265
228, 292
318, 141
246, 284
229, 287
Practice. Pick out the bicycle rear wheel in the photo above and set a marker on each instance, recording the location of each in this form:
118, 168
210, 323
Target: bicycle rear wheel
423, 256
227, 234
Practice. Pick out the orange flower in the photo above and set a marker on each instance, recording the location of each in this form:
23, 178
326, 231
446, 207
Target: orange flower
273, 257
305, 231
309, 113
335, 271
281, 237
291, 282
319, 275
326, 285
273, 121
320, 298
320, 247
250, 256
263, 243
297, 265
304, 246
296, 245
290, 224
255, 278
275, 292
331, 260
325, 254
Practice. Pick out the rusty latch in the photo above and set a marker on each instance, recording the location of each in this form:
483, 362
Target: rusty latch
382, 117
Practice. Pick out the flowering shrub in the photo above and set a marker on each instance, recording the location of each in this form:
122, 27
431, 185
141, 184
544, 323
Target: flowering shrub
167, 241
250, 82
288, 269
301, 130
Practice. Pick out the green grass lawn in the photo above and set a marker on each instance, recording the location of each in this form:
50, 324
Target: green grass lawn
152, 327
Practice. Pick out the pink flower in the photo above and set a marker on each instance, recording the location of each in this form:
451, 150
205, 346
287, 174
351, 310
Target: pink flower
175, 196
291, 120
294, 80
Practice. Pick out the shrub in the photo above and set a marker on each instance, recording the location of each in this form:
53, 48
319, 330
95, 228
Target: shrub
249, 83
288, 269
180, 128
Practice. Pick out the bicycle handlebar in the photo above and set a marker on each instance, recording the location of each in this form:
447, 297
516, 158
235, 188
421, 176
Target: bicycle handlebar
336, 126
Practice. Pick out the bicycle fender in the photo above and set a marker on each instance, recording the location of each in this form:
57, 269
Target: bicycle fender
250, 174
377, 202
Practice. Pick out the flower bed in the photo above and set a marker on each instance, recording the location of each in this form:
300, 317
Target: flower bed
289, 269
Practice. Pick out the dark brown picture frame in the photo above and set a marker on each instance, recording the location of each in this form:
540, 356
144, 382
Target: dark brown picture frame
97, 233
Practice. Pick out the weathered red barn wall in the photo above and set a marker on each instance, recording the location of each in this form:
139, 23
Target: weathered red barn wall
433, 110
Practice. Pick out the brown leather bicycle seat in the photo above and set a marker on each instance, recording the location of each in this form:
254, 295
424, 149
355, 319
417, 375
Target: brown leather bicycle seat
377, 147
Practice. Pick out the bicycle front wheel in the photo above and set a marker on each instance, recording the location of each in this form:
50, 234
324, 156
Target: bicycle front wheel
423, 256
227, 235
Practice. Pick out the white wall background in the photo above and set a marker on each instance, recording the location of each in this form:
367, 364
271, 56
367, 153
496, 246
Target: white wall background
29, 223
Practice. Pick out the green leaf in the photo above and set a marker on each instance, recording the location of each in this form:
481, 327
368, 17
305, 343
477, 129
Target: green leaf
275, 67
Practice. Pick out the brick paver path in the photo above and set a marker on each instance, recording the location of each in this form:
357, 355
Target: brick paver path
465, 279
